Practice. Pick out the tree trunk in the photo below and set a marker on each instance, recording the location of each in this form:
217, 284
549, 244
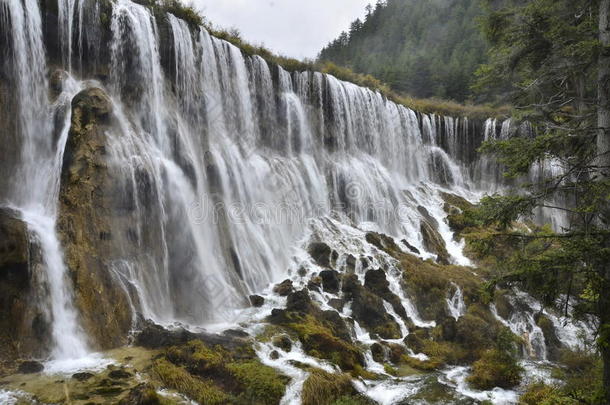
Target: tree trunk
603, 163
603, 90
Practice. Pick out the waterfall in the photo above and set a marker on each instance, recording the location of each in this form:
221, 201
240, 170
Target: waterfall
455, 304
36, 193
228, 164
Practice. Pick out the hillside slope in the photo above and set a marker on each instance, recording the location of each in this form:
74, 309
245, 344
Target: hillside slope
426, 48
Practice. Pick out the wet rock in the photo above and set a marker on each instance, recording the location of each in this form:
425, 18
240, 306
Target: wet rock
143, 394
119, 374
350, 263
30, 367
84, 376
409, 246
338, 324
284, 288
368, 309
382, 242
378, 353
321, 253
274, 355
376, 282
237, 333
283, 342
553, 344
24, 328
56, 82
153, 336
315, 284
302, 271
299, 301
90, 222
257, 301
337, 303
330, 281
433, 242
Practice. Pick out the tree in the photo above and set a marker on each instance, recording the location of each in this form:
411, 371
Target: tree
552, 57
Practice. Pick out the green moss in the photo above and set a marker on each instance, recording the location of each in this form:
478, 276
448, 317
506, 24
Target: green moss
542, 394
261, 384
322, 388
495, 369
182, 381
320, 341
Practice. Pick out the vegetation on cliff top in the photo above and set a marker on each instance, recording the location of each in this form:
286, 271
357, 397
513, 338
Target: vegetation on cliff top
419, 47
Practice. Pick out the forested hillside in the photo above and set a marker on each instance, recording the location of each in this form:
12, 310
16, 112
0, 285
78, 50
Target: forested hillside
425, 48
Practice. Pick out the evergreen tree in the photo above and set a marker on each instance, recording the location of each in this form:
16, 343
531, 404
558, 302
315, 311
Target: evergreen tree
421, 47
551, 59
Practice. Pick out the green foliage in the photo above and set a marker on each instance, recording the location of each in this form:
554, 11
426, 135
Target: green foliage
261, 384
182, 381
218, 375
423, 48
496, 368
322, 388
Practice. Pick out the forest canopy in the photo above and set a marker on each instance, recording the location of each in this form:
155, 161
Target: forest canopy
424, 48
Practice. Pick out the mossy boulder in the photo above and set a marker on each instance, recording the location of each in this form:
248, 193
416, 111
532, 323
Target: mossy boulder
432, 239
216, 375
552, 342
323, 388
368, 309
322, 254
495, 369
376, 282
330, 281
322, 335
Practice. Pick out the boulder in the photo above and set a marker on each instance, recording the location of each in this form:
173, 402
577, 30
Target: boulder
24, 328
368, 309
330, 281
299, 301
434, 243
30, 367
257, 301
283, 342
284, 288
322, 254
376, 282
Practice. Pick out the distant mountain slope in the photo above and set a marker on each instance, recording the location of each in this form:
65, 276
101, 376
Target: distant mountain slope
426, 48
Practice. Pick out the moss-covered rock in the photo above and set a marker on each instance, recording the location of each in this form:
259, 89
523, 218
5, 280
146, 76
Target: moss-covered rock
88, 218
368, 309
218, 375
323, 388
495, 369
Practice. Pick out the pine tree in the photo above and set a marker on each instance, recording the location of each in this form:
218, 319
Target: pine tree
551, 58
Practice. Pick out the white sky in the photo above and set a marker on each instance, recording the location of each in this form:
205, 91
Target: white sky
296, 28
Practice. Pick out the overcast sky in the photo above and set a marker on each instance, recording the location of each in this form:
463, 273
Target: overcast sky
296, 28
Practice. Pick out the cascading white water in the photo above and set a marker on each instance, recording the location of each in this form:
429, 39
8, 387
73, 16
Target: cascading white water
35, 194
230, 165
455, 303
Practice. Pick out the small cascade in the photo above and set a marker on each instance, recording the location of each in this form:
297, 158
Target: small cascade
455, 303
523, 325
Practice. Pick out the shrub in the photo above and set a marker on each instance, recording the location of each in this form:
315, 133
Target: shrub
495, 369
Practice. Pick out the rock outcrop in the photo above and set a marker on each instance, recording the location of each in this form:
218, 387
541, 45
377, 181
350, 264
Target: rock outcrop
89, 209
24, 330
